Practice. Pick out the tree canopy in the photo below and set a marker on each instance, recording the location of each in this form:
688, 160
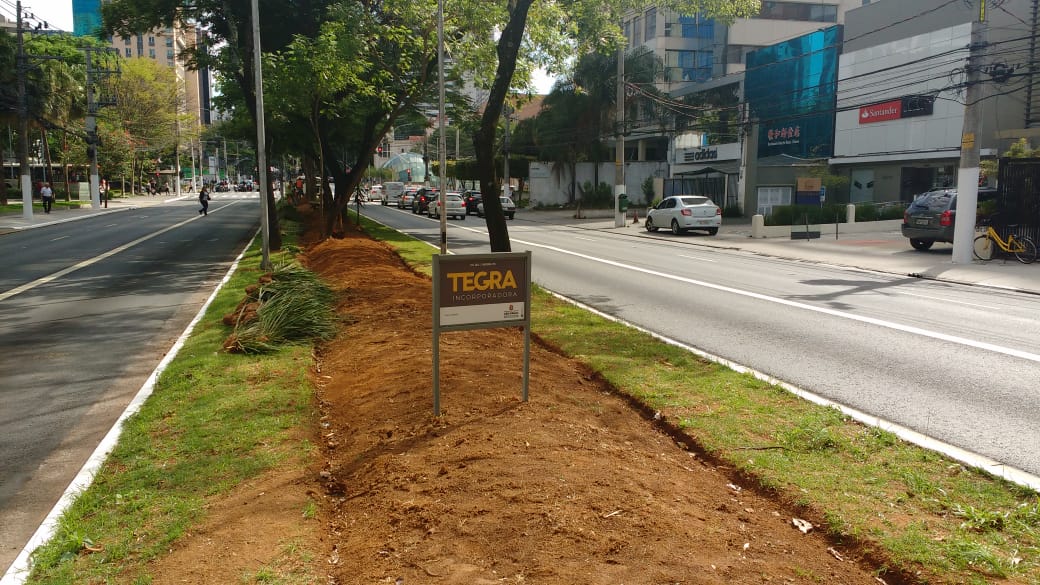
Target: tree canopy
339, 74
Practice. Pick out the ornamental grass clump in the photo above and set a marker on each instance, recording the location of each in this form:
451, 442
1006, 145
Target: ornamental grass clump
289, 305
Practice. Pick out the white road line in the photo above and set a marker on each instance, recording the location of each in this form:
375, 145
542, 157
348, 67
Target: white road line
824, 310
946, 300
832, 312
51, 277
18, 572
61, 238
696, 258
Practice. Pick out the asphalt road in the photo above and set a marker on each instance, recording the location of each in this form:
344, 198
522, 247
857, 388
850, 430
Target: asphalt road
953, 362
87, 310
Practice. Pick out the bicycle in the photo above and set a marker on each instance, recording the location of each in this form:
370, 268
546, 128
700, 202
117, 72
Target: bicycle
984, 246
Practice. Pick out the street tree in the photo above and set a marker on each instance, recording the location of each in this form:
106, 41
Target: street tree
226, 45
146, 96
558, 29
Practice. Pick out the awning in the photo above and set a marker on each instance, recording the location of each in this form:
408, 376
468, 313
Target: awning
726, 168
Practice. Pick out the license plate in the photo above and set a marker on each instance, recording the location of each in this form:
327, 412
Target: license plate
921, 221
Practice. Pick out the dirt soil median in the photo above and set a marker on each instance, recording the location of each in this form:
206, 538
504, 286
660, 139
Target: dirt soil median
575, 486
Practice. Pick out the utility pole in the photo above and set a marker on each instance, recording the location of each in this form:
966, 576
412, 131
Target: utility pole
619, 153
261, 143
968, 174
21, 65
97, 69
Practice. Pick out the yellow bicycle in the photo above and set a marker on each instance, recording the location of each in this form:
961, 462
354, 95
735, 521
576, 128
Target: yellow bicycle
986, 245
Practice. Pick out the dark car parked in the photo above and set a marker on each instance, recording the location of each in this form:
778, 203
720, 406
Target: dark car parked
421, 203
931, 217
472, 199
405, 200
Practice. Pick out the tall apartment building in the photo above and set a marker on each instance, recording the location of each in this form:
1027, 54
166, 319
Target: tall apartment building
161, 46
86, 17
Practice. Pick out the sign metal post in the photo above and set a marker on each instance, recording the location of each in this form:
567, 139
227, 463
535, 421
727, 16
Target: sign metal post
480, 291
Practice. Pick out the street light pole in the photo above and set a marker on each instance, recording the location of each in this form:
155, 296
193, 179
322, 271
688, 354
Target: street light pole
21, 64
619, 152
261, 141
442, 197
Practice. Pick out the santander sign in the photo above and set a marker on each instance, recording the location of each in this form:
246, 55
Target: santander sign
892, 110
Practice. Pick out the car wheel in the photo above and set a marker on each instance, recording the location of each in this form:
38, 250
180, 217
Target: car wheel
650, 227
921, 244
675, 227
511, 215
713, 231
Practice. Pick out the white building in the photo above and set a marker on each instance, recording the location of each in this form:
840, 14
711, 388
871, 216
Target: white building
901, 94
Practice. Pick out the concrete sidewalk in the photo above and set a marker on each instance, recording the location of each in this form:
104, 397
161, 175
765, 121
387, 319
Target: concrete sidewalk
15, 221
876, 246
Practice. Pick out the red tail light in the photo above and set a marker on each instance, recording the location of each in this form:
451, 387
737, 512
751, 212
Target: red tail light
906, 217
946, 219
718, 211
686, 212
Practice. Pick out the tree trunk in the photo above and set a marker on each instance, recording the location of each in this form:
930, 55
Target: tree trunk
346, 182
484, 139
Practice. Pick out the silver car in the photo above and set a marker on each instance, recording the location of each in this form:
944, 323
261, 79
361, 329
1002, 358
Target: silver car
685, 212
454, 206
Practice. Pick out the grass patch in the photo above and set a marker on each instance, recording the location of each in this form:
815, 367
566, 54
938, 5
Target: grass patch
922, 511
215, 420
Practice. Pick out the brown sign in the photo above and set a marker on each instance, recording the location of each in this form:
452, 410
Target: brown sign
482, 288
809, 183
475, 291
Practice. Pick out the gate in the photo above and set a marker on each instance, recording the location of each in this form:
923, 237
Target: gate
713, 188
1019, 186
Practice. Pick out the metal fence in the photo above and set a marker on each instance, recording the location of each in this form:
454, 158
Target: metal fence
712, 187
1019, 199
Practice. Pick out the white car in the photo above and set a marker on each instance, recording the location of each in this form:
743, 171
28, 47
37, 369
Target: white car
375, 193
508, 207
455, 206
685, 212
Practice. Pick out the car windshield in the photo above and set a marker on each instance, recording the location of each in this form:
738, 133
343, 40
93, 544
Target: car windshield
694, 200
506, 200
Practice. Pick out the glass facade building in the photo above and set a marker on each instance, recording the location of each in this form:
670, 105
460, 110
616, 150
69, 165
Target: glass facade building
86, 17
791, 89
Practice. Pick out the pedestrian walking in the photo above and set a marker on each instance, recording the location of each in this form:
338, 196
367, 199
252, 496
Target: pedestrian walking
204, 200
47, 194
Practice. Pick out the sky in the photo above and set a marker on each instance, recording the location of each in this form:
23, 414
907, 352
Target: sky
57, 13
